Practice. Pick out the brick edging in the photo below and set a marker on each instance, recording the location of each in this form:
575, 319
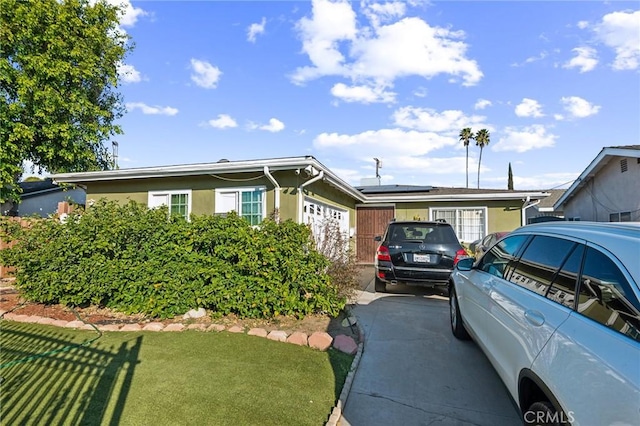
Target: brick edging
336, 413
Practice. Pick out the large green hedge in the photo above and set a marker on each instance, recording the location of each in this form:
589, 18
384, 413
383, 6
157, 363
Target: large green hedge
137, 260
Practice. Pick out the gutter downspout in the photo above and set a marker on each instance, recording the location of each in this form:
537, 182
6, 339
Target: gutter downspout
525, 206
276, 207
301, 195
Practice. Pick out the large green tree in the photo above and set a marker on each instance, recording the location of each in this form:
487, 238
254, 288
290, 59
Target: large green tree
58, 83
466, 135
482, 140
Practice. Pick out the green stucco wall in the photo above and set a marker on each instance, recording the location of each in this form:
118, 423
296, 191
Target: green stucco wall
203, 191
501, 215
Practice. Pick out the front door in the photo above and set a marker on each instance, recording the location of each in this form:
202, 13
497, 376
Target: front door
370, 222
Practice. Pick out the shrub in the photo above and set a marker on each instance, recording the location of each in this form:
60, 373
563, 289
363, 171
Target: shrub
139, 260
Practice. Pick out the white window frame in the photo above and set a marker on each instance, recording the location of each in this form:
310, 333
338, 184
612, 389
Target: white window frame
218, 193
457, 209
151, 196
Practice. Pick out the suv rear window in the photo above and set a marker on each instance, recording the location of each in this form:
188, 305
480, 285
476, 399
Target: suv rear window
422, 233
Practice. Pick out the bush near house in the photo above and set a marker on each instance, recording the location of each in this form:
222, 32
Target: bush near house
139, 260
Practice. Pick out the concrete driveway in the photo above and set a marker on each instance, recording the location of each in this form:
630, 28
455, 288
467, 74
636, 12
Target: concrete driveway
414, 372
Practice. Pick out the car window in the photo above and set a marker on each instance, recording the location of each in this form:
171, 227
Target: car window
441, 234
605, 295
540, 263
495, 261
563, 288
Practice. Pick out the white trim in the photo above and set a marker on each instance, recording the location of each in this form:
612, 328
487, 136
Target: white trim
168, 193
377, 205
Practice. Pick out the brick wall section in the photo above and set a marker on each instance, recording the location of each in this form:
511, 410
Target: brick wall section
7, 271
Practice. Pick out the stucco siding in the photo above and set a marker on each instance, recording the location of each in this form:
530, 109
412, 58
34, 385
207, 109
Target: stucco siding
203, 191
609, 191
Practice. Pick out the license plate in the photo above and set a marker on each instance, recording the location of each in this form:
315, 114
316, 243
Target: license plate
422, 258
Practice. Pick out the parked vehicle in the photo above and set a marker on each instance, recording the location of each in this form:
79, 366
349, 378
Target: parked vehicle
416, 253
556, 309
480, 246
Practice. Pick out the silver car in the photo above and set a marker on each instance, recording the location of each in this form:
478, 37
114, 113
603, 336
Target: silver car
556, 309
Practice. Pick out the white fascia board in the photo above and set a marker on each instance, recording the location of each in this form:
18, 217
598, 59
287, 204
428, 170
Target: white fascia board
456, 197
594, 166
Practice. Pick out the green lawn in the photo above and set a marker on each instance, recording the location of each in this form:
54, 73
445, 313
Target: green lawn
155, 378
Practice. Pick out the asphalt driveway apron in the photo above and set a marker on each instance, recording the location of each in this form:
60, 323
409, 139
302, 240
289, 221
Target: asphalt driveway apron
414, 372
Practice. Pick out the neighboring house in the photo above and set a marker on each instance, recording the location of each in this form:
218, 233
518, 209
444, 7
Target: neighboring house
41, 198
304, 190
608, 190
544, 210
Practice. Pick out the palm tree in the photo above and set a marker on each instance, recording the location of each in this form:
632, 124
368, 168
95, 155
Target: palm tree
465, 136
482, 140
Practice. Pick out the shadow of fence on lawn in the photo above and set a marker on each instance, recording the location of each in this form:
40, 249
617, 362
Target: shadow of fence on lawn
74, 384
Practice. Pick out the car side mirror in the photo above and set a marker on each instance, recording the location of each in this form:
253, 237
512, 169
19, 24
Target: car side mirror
465, 264
377, 238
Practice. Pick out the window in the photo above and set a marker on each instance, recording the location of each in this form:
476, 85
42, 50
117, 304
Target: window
250, 203
178, 201
623, 165
540, 262
620, 217
605, 295
495, 261
468, 223
563, 288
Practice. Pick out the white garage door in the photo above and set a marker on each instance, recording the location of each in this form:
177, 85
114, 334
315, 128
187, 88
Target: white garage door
317, 215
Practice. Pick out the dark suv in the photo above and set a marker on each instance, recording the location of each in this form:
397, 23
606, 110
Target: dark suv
417, 253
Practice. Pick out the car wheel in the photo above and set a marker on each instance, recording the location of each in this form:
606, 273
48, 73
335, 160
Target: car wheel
381, 286
542, 413
457, 328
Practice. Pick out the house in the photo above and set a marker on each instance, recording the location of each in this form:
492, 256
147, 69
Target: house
304, 190
544, 210
41, 198
608, 190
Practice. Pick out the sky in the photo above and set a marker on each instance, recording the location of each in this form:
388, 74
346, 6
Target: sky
346, 82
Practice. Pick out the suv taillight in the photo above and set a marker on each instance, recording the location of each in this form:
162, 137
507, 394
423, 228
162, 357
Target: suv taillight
460, 254
383, 254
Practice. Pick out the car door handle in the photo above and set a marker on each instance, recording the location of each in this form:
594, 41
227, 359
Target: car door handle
534, 317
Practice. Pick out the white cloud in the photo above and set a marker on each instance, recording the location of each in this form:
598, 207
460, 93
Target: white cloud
401, 143
578, 107
586, 59
274, 126
532, 59
129, 15
482, 104
379, 54
362, 94
420, 92
619, 31
582, 24
426, 119
255, 29
223, 121
151, 110
524, 139
558, 117
529, 108
204, 74
128, 73
383, 12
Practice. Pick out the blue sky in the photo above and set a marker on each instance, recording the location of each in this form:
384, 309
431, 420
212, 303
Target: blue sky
345, 82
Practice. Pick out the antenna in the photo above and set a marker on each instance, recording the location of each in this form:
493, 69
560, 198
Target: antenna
378, 167
114, 146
